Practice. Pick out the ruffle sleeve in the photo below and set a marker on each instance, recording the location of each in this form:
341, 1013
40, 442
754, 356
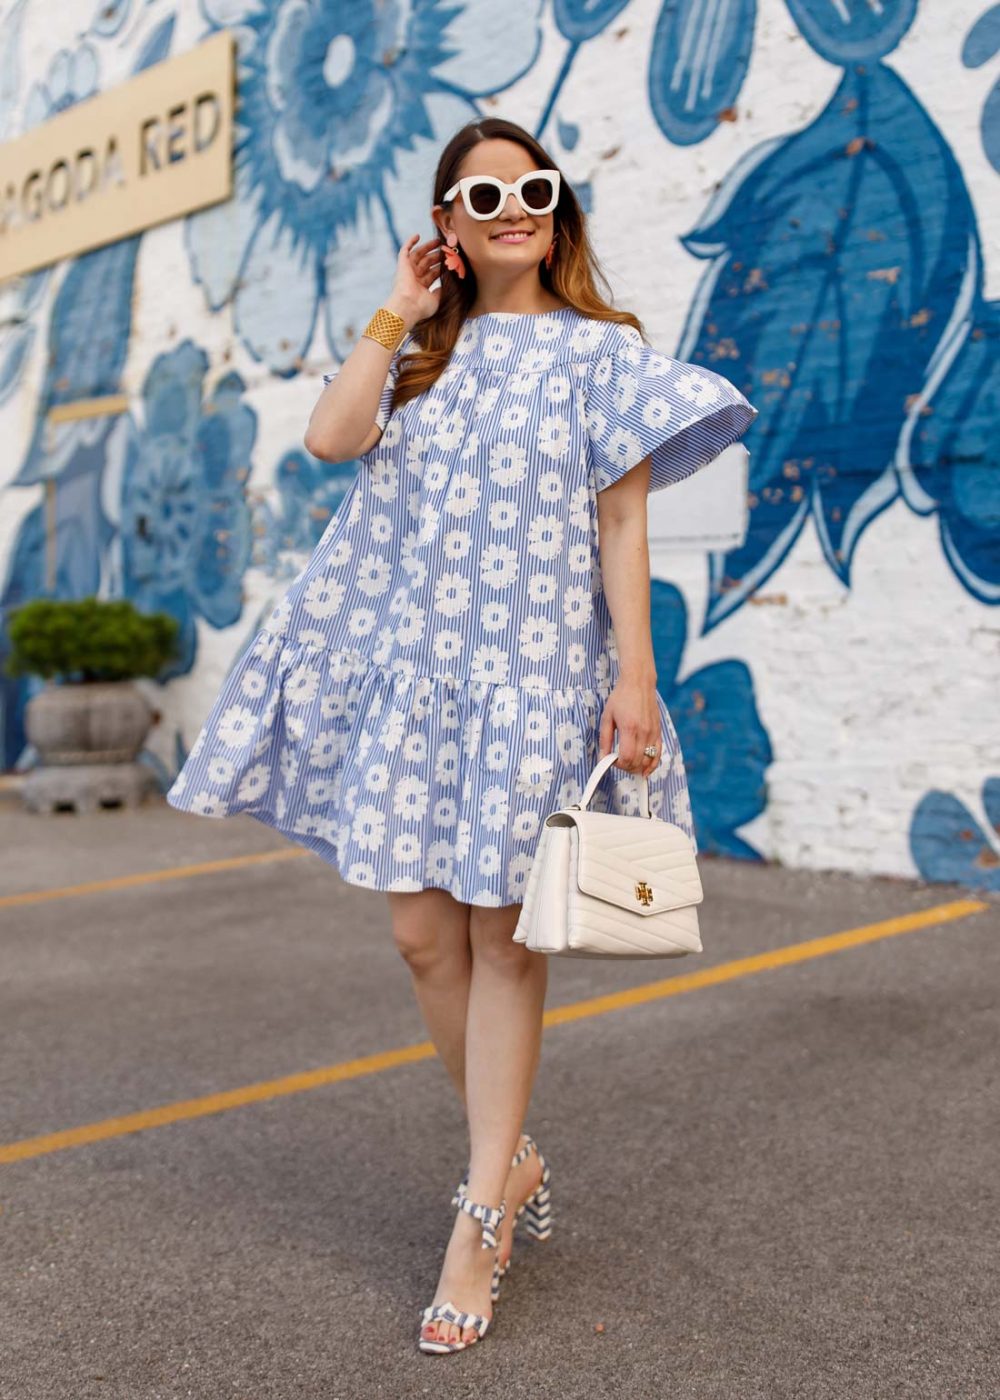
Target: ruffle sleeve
385, 399
640, 402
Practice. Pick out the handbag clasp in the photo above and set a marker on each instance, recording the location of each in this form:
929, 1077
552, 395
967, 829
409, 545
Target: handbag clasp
643, 893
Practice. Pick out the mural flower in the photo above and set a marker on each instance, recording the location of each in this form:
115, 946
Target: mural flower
725, 745
185, 522
310, 493
949, 844
343, 110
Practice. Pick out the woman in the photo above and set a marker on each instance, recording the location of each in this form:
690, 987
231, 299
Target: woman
457, 654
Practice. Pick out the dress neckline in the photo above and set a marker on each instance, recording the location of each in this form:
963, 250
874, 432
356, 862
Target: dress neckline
490, 315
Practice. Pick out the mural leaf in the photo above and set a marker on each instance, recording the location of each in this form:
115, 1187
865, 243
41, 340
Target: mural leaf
698, 61
839, 256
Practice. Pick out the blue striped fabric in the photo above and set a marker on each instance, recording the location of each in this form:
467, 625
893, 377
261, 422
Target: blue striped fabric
431, 685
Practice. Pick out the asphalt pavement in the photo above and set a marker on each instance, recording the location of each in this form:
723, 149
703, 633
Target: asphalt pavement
774, 1166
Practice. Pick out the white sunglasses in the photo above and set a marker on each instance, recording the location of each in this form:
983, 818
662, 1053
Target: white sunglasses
484, 196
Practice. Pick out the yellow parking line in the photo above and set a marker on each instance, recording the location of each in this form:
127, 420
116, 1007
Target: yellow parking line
152, 877
408, 1054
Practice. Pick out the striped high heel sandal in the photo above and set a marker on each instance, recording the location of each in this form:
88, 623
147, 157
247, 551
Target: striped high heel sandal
536, 1208
490, 1217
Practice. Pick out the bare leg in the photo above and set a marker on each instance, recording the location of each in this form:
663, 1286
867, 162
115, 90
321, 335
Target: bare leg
431, 930
502, 1050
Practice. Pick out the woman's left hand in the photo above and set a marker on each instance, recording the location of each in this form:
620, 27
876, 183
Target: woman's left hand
631, 709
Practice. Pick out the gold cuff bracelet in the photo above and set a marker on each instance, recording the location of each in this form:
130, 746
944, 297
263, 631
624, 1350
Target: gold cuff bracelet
386, 327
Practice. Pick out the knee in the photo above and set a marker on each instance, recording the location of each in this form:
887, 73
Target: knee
428, 936
491, 936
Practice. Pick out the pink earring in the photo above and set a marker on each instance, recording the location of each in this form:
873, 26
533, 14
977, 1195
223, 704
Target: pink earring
549, 252
452, 258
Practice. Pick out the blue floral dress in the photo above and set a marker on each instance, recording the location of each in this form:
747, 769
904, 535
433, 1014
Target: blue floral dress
430, 687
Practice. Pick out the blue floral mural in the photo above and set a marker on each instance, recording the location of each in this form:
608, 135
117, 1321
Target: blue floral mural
185, 522
310, 493
982, 43
725, 745
343, 109
949, 844
697, 64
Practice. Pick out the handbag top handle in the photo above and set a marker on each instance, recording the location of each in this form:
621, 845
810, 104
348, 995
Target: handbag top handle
598, 772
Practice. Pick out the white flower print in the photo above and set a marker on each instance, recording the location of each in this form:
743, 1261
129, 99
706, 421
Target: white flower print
533, 361
538, 637
545, 536
541, 588
373, 576
409, 799
361, 873
576, 657
326, 748
536, 726
380, 528
624, 448
435, 475
489, 860
253, 683
254, 783
377, 777
448, 716
438, 862
456, 544
493, 617
579, 508
415, 747
570, 741
449, 432
446, 763
208, 804
383, 479
463, 495
411, 624
515, 415
340, 553
320, 790
452, 594
392, 731
445, 812
518, 870
508, 463
448, 645
697, 389
505, 707
220, 770
302, 685
587, 335
367, 829
407, 848
496, 755
553, 435
428, 517
490, 663
431, 405
496, 801
288, 765
323, 596
361, 622
680, 807
463, 838
487, 399
550, 486
278, 620
266, 645
534, 774
656, 411
578, 606
504, 515
498, 565
526, 825
235, 729
578, 558
497, 347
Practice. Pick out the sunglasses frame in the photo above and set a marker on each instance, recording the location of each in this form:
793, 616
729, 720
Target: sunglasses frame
467, 182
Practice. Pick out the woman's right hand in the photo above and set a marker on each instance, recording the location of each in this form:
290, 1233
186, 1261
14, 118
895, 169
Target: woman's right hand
416, 268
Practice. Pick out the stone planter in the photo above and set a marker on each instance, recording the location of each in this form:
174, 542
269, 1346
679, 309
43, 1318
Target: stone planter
88, 722
87, 734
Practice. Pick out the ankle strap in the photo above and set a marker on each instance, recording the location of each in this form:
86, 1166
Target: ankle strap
490, 1216
525, 1151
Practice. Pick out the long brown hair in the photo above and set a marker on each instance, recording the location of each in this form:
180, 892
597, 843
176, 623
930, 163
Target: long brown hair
573, 276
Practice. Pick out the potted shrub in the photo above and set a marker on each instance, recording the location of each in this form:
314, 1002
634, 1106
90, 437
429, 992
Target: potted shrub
89, 651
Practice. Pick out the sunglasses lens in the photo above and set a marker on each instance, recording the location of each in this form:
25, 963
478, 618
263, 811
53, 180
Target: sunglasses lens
537, 193
484, 198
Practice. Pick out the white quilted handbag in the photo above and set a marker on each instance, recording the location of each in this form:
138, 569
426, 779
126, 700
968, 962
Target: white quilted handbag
604, 885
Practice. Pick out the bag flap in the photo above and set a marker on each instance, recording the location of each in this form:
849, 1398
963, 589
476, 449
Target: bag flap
643, 864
